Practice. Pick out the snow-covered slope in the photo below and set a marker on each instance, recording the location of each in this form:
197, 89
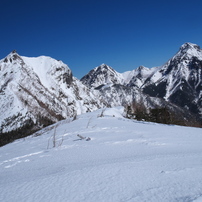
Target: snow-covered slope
39, 91
125, 160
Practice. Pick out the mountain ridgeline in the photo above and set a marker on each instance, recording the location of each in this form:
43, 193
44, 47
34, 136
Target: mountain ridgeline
36, 92
174, 89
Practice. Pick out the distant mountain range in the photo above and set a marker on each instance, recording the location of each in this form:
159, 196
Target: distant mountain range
177, 82
36, 92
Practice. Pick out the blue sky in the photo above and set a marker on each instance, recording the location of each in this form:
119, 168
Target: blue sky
86, 33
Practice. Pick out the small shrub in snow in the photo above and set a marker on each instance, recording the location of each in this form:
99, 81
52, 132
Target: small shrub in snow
102, 113
55, 142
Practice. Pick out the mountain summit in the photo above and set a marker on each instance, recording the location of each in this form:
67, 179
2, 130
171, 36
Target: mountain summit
180, 79
102, 75
35, 92
187, 47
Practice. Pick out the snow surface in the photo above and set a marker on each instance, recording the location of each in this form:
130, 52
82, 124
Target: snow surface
125, 160
43, 66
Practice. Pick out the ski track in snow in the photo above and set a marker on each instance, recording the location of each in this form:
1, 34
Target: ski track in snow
125, 161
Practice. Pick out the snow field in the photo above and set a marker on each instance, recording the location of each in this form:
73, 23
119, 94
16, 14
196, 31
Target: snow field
125, 160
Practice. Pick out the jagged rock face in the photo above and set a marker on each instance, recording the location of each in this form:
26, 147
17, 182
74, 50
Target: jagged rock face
180, 79
39, 91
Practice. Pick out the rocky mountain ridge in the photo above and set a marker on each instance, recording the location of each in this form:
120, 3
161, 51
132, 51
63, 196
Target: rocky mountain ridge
35, 92
178, 81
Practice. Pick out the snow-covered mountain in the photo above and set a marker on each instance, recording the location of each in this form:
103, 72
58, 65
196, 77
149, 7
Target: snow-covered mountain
101, 76
125, 160
180, 80
35, 92
104, 76
118, 88
111, 85
114, 87
39, 91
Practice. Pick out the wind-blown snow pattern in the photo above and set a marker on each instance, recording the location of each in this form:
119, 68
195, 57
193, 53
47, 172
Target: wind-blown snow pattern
123, 160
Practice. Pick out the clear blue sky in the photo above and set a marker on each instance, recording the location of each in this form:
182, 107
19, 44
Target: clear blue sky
86, 33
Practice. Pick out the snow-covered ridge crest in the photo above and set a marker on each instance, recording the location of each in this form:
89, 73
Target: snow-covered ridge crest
188, 50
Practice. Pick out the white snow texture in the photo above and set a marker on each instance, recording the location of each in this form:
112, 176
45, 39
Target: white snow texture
124, 160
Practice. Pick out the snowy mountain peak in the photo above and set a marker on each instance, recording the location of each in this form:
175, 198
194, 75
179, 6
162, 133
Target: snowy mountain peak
13, 57
144, 70
189, 50
14, 51
104, 67
38, 91
179, 80
102, 75
187, 46
142, 67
